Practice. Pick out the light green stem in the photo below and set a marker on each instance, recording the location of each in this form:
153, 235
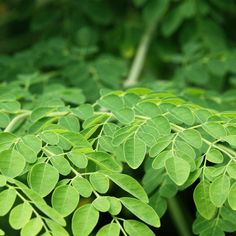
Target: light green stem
15, 120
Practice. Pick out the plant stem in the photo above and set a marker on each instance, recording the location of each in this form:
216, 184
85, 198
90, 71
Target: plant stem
140, 56
16, 119
178, 218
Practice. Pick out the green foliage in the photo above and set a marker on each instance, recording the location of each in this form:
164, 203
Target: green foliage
50, 164
82, 151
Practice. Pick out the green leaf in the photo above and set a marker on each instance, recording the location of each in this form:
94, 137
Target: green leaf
50, 137
20, 215
122, 134
139, 3
219, 190
202, 200
101, 204
183, 114
128, 184
231, 140
161, 124
99, 182
26, 151
130, 99
40, 203
76, 140
155, 10
105, 142
61, 164
3, 180
216, 130
111, 102
136, 228
7, 199
70, 123
32, 227
134, 151
142, 211
105, 161
4, 120
43, 178
6, 140
159, 161
125, 115
115, 206
84, 111
215, 156
56, 229
148, 109
192, 137
111, 229
78, 158
231, 170
10, 106
232, 197
65, 199
177, 169
84, 220
12, 163
160, 145
33, 142
83, 186
73, 95
40, 112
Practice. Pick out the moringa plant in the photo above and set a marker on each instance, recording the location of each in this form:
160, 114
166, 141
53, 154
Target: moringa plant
72, 168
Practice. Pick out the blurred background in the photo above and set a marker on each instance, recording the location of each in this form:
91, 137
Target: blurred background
91, 43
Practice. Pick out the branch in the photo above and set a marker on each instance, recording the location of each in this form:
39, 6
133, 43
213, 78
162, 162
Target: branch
140, 56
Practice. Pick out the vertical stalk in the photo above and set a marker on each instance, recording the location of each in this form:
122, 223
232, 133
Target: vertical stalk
138, 62
178, 218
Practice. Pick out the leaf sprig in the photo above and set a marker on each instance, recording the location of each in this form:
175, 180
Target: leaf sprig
52, 158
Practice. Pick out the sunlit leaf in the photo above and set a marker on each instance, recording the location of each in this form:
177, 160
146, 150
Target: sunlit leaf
84, 220
141, 210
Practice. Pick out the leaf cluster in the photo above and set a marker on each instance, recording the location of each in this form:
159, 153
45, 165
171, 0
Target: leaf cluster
55, 155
